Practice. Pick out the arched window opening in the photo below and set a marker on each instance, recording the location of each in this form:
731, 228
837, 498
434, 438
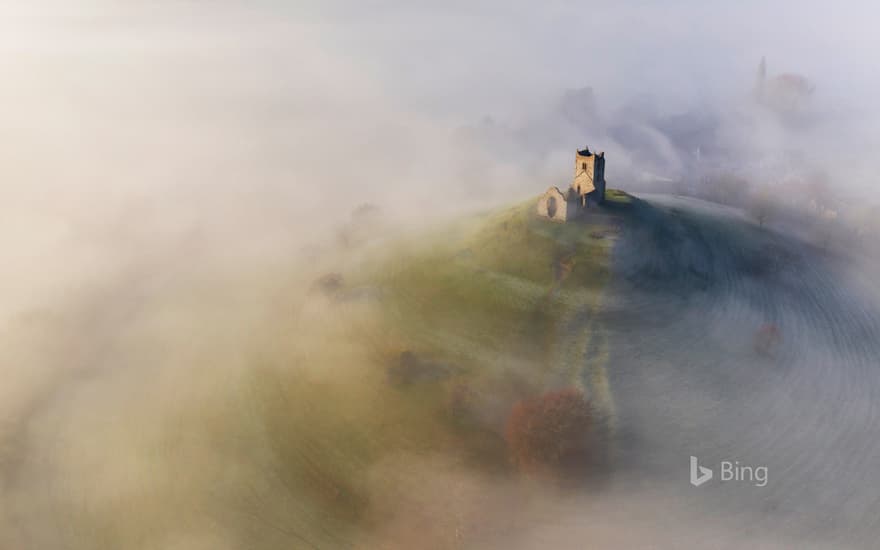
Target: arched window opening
551, 207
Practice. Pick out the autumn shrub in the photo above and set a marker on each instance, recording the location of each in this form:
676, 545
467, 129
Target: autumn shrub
550, 431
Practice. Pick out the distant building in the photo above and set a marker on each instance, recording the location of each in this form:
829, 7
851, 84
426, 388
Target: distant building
783, 92
587, 188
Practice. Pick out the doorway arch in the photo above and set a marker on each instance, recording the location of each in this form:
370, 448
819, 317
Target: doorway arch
551, 207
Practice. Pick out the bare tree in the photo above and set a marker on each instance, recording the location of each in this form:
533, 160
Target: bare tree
762, 207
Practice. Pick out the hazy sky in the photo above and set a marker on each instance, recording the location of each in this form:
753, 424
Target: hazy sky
152, 147
236, 117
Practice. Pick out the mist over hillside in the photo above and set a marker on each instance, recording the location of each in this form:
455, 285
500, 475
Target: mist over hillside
261, 258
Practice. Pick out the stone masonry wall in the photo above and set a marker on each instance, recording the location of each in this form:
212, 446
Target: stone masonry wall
553, 205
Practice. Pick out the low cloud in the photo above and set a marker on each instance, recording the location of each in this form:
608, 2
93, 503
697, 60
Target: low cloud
174, 174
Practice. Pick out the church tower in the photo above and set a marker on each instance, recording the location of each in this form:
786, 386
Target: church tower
761, 79
588, 187
589, 177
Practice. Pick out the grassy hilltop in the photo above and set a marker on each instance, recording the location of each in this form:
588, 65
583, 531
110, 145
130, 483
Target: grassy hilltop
496, 294
424, 392
423, 350
365, 402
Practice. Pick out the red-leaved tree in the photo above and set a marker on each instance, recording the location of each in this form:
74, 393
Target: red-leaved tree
550, 431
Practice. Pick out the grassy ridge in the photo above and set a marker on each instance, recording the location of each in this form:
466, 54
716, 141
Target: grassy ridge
497, 300
496, 282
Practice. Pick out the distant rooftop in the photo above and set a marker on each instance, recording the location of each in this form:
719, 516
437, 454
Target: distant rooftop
585, 152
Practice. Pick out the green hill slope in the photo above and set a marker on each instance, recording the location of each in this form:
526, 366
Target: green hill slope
424, 350
496, 291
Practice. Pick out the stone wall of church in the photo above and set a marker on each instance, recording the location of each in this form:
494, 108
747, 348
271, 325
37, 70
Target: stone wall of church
553, 205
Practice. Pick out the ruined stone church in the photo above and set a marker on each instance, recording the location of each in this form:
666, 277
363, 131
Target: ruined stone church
587, 189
